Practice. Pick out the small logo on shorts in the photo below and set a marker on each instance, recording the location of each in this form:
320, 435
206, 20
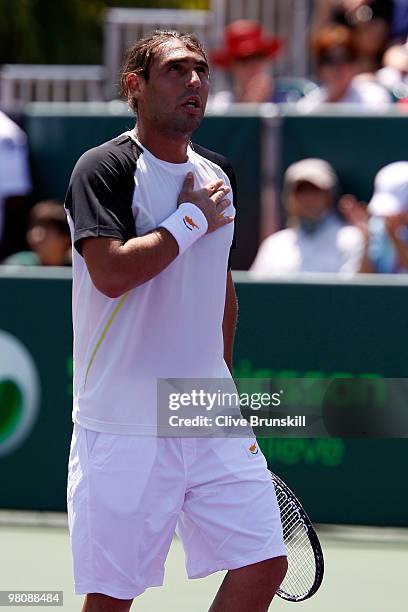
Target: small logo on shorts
189, 223
253, 449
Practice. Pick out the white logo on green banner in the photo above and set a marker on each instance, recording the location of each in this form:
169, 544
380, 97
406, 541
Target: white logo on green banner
19, 393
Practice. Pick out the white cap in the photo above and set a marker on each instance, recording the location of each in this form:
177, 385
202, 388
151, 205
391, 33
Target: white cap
390, 190
315, 171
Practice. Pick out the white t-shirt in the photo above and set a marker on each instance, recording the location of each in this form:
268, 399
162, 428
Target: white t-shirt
14, 170
168, 327
332, 247
362, 92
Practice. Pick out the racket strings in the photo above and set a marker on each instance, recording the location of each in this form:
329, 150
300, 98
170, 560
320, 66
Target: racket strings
301, 572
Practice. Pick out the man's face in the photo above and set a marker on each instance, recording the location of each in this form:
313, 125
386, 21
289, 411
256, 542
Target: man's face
174, 97
337, 70
309, 202
244, 69
49, 243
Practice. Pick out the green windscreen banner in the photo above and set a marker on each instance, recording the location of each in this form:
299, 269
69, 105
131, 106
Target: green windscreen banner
312, 330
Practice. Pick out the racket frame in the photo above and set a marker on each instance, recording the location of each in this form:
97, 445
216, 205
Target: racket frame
313, 539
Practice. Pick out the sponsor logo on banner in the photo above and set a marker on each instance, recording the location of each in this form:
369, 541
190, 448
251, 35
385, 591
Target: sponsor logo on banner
19, 393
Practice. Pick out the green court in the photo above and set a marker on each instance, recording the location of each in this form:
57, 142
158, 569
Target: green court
365, 569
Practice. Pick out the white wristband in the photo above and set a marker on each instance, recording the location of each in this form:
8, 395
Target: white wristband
187, 225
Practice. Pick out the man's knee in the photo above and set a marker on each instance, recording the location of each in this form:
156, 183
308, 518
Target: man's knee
280, 567
271, 575
265, 575
97, 602
273, 570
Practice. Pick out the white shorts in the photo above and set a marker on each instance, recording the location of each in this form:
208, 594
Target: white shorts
127, 495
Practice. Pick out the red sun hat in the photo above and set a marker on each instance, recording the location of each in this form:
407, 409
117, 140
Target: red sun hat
244, 38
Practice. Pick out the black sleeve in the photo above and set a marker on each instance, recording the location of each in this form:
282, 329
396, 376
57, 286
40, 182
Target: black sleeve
226, 166
100, 193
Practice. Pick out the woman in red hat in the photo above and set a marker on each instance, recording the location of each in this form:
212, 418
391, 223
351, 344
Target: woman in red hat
247, 54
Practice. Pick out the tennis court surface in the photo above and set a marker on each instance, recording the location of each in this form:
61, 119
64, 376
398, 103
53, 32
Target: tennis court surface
366, 569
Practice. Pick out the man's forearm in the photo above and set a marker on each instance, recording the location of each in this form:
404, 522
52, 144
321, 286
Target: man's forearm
401, 248
366, 266
118, 267
229, 323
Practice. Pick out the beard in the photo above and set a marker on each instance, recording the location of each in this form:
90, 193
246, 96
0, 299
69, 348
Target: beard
175, 124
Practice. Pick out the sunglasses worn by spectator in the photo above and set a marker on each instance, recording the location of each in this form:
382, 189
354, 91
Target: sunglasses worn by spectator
335, 60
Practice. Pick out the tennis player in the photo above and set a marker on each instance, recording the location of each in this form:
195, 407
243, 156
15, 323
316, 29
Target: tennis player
151, 217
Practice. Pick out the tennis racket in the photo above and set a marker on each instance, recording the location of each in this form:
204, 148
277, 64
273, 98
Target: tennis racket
305, 556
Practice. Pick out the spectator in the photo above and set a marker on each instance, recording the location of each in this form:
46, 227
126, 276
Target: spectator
371, 21
384, 223
394, 74
316, 239
247, 55
48, 237
335, 54
15, 185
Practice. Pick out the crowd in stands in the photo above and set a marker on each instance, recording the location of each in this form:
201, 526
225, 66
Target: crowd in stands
358, 57
29, 235
316, 239
48, 238
328, 233
15, 186
247, 57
